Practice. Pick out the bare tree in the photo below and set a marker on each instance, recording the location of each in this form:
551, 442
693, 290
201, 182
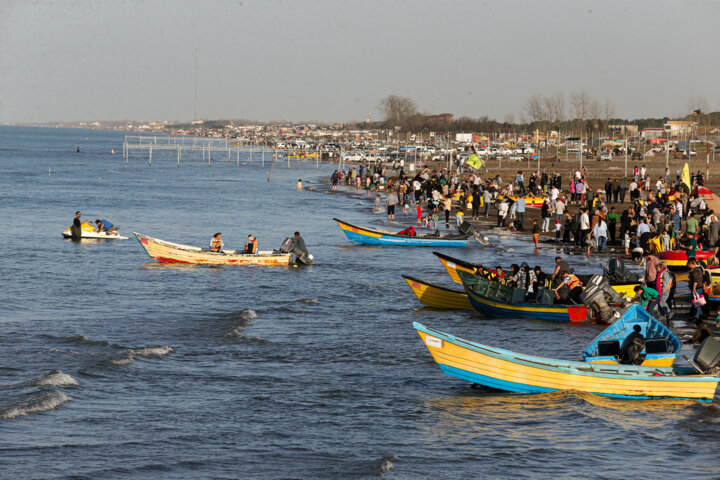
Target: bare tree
533, 108
398, 110
580, 102
510, 118
594, 112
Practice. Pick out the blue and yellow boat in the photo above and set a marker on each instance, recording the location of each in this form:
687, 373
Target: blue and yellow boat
434, 295
494, 299
373, 236
452, 265
661, 345
516, 372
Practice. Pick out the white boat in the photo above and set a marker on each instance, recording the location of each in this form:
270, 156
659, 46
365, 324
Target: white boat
88, 231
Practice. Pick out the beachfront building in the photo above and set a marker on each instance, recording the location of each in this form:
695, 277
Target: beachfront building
652, 134
680, 128
623, 130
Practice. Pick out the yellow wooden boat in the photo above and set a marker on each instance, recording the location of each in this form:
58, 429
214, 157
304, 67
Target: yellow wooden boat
438, 296
163, 251
515, 372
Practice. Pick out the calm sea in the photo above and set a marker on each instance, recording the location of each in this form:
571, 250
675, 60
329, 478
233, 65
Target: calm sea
114, 366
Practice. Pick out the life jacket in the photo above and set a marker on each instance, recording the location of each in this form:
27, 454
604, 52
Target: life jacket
215, 245
251, 247
573, 282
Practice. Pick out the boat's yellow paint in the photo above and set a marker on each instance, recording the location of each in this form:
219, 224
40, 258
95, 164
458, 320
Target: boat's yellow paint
650, 362
173, 252
359, 230
453, 267
85, 226
434, 297
482, 364
625, 290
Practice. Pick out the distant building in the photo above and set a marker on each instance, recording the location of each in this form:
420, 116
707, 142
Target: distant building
441, 117
652, 133
623, 130
679, 128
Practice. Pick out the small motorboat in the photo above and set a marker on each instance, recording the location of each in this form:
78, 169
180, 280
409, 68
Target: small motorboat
434, 295
381, 237
509, 371
164, 251
88, 231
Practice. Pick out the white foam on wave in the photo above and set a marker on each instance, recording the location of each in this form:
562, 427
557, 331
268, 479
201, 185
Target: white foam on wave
310, 300
56, 378
36, 403
247, 314
383, 466
159, 351
128, 356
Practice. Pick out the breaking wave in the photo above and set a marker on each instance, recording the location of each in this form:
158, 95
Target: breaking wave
247, 314
128, 356
309, 301
383, 466
35, 403
55, 378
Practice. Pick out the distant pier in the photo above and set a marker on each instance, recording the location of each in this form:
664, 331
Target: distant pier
210, 149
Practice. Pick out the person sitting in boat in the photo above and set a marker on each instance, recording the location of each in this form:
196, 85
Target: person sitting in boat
574, 285
105, 226
409, 231
251, 246
631, 347
216, 244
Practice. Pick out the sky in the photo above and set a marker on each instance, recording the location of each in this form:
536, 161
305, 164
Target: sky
333, 61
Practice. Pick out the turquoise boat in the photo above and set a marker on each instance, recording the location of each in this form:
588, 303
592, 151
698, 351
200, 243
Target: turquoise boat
372, 236
516, 372
661, 345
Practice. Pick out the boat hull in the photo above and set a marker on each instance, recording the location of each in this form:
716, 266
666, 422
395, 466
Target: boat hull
678, 258
377, 237
163, 251
438, 296
491, 306
514, 372
452, 265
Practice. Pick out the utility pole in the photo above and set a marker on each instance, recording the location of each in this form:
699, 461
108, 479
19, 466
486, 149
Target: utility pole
196, 81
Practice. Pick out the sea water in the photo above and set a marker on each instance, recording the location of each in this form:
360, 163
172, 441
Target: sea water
115, 366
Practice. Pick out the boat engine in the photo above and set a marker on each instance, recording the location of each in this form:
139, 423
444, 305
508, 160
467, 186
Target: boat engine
707, 356
289, 245
597, 294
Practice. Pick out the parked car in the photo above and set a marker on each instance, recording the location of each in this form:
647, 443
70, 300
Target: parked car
607, 156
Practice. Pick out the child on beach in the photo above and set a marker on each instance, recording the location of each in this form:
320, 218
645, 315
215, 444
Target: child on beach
558, 227
419, 214
434, 220
626, 243
459, 217
536, 233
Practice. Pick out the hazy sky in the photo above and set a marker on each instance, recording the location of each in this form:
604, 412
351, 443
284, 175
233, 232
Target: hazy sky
334, 60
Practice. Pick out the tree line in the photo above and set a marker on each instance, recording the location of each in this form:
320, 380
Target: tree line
577, 112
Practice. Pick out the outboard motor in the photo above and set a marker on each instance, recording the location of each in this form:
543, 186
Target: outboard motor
707, 356
596, 295
466, 228
618, 273
290, 246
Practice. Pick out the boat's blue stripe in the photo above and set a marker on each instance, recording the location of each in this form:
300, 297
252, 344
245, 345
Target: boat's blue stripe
409, 242
522, 388
490, 310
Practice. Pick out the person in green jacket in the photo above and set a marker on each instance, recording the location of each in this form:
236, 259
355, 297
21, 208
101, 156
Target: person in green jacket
647, 295
612, 220
691, 224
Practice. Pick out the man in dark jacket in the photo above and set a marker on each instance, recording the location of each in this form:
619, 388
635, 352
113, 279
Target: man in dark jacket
76, 229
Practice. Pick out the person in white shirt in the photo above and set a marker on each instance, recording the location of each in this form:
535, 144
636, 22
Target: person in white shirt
584, 227
643, 227
600, 232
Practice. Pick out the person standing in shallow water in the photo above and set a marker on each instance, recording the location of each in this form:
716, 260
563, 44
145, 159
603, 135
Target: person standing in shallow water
76, 229
299, 185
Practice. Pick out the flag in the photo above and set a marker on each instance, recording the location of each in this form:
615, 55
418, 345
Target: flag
697, 112
685, 177
474, 161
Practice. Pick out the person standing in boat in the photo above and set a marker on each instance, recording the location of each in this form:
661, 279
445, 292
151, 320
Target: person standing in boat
251, 246
300, 243
76, 229
574, 285
216, 244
